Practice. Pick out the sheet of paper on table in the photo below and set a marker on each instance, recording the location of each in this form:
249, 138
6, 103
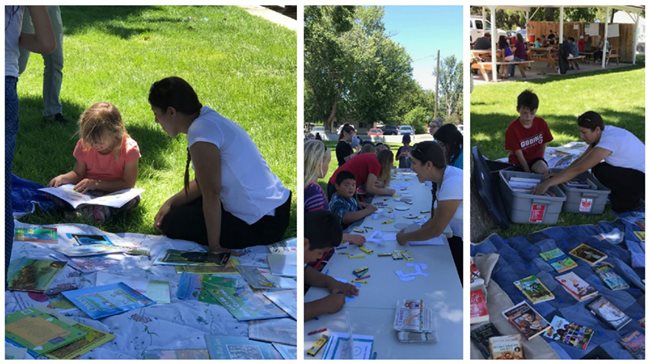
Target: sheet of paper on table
338, 346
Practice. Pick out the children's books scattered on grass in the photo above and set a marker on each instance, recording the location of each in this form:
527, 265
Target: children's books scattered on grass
588, 254
608, 313
37, 235
506, 347
288, 352
236, 347
195, 354
93, 339
526, 320
76, 199
179, 257
558, 260
634, 342
286, 300
478, 310
569, 333
282, 331
481, 335
41, 331
339, 346
576, 286
103, 301
34, 275
534, 289
607, 273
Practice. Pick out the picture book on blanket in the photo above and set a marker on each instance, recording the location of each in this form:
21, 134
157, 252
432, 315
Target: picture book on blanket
481, 337
608, 313
115, 199
607, 273
237, 347
41, 331
244, 304
103, 301
534, 289
558, 260
591, 256
576, 286
191, 286
478, 306
288, 352
526, 320
634, 342
262, 279
90, 239
569, 333
93, 339
37, 235
283, 330
89, 250
34, 275
506, 347
180, 257
286, 300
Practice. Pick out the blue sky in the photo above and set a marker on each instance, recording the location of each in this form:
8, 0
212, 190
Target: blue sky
421, 30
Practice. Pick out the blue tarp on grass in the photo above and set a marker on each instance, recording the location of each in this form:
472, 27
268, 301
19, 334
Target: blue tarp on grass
519, 258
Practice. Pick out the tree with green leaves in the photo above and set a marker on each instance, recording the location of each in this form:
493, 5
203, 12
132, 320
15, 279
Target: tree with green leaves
450, 80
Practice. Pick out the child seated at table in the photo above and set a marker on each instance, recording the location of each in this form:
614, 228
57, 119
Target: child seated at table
344, 204
323, 232
527, 136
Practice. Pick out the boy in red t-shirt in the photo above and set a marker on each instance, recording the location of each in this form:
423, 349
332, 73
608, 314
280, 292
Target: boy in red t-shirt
526, 136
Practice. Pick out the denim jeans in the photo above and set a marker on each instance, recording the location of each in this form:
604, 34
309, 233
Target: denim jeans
11, 130
512, 66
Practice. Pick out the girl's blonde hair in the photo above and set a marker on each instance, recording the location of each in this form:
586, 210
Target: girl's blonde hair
315, 152
385, 158
101, 119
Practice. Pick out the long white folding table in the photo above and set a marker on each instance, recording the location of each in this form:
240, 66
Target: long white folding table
372, 311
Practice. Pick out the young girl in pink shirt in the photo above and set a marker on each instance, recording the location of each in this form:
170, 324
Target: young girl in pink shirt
106, 159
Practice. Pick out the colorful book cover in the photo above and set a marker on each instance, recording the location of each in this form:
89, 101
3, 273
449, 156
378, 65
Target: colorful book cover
588, 254
93, 339
558, 260
506, 347
569, 333
245, 305
40, 331
481, 335
634, 342
34, 275
179, 257
282, 331
37, 235
286, 300
478, 306
87, 239
607, 273
177, 354
237, 347
190, 286
109, 300
607, 312
534, 289
526, 320
640, 235
576, 286
255, 278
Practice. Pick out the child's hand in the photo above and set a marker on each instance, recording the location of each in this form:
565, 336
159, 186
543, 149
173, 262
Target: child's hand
164, 209
371, 208
345, 288
333, 303
57, 181
355, 239
86, 184
401, 239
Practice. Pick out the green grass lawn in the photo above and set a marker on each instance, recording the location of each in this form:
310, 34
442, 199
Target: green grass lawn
242, 66
619, 96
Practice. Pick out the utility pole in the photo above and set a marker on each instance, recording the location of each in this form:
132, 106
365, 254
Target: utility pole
435, 112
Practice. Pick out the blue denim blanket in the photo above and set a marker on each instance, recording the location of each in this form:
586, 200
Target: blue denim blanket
519, 258
25, 196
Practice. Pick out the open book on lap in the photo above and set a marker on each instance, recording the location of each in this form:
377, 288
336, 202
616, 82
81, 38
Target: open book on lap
115, 199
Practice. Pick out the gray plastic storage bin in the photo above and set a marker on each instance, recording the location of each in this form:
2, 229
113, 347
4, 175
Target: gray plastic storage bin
595, 199
520, 204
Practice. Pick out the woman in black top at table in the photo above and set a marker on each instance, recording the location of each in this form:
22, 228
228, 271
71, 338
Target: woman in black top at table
344, 149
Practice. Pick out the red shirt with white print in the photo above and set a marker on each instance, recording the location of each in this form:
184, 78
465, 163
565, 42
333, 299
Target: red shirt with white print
530, 140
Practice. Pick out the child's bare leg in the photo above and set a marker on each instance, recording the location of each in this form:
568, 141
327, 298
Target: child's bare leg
539, 167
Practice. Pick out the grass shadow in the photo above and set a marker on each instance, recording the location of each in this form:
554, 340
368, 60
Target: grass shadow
550, 78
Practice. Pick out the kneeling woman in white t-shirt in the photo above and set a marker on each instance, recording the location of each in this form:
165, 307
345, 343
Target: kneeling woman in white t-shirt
235, 201
615, 156
429, 163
